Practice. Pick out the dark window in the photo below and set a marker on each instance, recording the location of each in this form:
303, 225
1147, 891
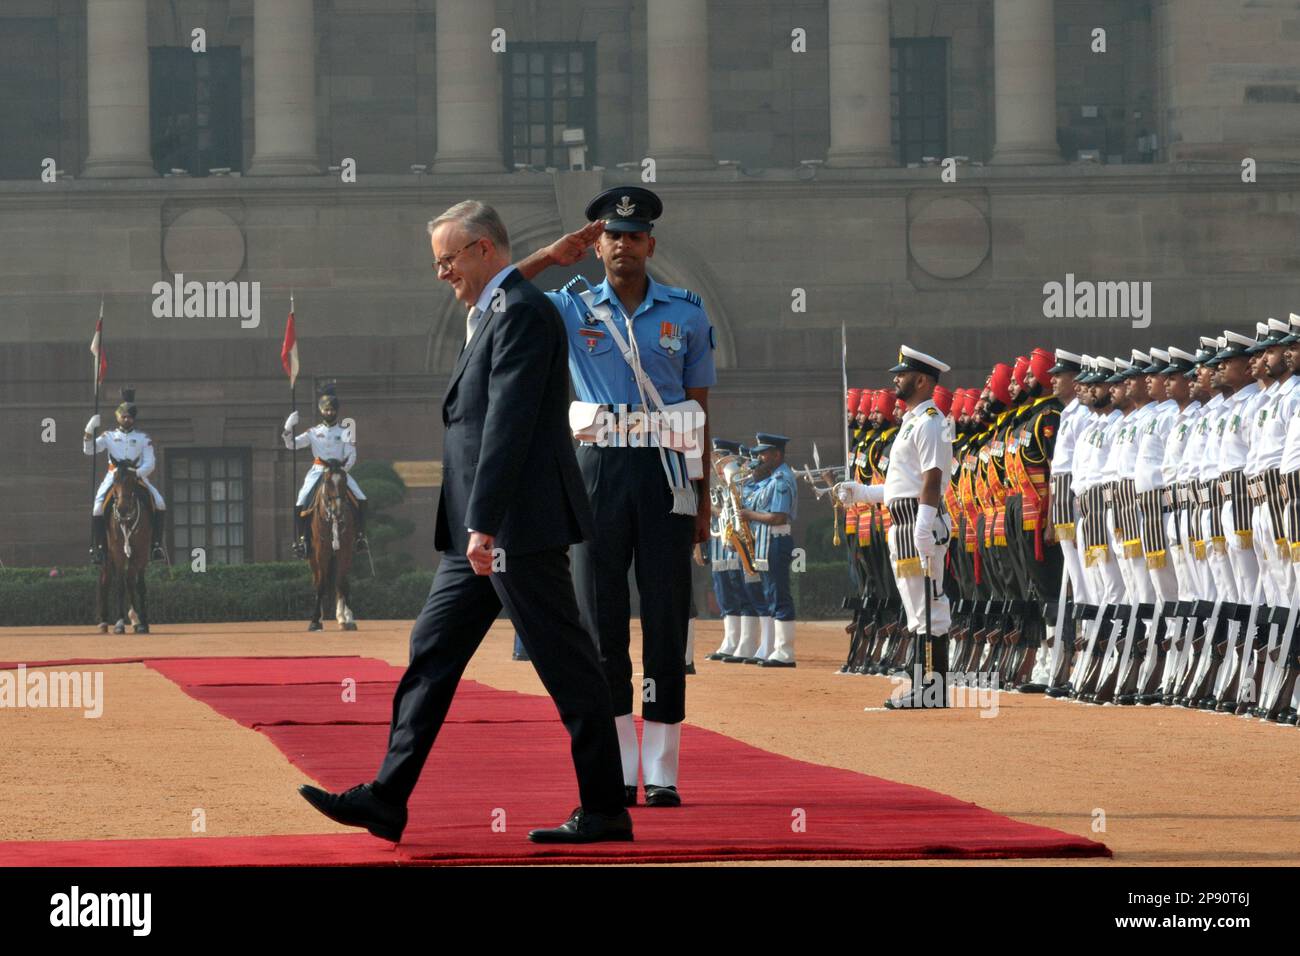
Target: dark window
207, 504
195, 119
548, 88
29, 98
918, 89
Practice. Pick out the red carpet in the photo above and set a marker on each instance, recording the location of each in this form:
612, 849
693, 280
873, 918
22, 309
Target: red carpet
502, 758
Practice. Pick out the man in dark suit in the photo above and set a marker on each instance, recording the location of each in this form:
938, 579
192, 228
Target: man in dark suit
512, 502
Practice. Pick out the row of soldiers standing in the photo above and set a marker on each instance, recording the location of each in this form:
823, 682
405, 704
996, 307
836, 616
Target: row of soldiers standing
1123, 530
750, 551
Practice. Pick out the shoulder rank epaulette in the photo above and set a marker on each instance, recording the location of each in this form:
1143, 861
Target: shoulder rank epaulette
932, 411
686, 294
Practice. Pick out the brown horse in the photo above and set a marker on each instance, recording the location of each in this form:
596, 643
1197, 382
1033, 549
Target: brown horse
128, 516
333, 533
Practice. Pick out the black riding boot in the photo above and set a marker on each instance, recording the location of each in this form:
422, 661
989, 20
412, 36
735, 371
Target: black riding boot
159, 522
302, 532
99, 527
301, 528
361, 544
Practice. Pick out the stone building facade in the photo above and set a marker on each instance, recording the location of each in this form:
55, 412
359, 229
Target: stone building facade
1148, 141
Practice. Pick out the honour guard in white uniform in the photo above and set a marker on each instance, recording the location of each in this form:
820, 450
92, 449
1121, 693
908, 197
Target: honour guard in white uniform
125, 443
916, 482
329, 441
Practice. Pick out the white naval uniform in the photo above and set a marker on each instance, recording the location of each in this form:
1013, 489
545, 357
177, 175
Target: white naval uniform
1200, 463
1272, 413
1149, 478
1074, 420
1105, 585
923, 442
1180, 534
328, 442
1234, 446
1291, 463
134, 445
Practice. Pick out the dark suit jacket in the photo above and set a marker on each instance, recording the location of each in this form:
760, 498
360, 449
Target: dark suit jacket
508, 465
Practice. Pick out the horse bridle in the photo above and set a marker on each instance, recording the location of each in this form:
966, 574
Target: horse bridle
129, 521
333, 504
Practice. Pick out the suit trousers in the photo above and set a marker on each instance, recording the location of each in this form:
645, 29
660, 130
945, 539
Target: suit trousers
537, 592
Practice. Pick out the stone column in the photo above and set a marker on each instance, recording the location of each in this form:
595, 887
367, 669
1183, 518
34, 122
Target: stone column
859, 83
117, 89
284, 89
469, 88
1024, 82
677, 61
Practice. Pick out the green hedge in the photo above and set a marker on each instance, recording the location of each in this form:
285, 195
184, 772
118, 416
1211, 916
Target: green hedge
278, 591
281, 591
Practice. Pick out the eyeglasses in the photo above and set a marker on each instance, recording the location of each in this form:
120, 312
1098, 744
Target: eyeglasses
444, 262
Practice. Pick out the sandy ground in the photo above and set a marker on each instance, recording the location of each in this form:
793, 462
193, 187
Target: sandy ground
1170, 786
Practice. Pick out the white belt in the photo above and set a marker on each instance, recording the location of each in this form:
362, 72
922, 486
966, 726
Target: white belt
780, 529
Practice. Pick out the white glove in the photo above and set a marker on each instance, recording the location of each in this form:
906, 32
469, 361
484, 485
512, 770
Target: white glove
291, 420
92, 424
850, 492
923, 532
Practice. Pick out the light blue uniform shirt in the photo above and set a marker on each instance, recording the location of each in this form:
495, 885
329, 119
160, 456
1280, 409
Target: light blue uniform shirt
780, 492
672, 332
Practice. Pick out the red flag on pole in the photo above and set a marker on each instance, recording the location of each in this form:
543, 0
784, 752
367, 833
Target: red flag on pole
97, 349
289, 351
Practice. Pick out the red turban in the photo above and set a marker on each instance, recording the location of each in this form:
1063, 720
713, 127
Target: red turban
942, 399
1021, 367
999, 383
1040, 363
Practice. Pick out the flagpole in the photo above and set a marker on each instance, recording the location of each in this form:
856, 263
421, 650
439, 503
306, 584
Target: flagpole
94, 458
293, 399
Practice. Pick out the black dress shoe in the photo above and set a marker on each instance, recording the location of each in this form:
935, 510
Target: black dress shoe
775, 663
1060, 690
690, 668
715, 656
752, 660
359, 807
520, 657
586, 826
733, 659
629, 796
1032, 688
662, 796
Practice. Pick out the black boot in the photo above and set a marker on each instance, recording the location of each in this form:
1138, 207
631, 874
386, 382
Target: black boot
159, 521
99, 528
361, 544
300, 531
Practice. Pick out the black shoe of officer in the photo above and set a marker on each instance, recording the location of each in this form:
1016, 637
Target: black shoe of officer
662, 796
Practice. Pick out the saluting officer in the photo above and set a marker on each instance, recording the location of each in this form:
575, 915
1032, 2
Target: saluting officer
639, 352
329, 441
125, 443
920, 464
